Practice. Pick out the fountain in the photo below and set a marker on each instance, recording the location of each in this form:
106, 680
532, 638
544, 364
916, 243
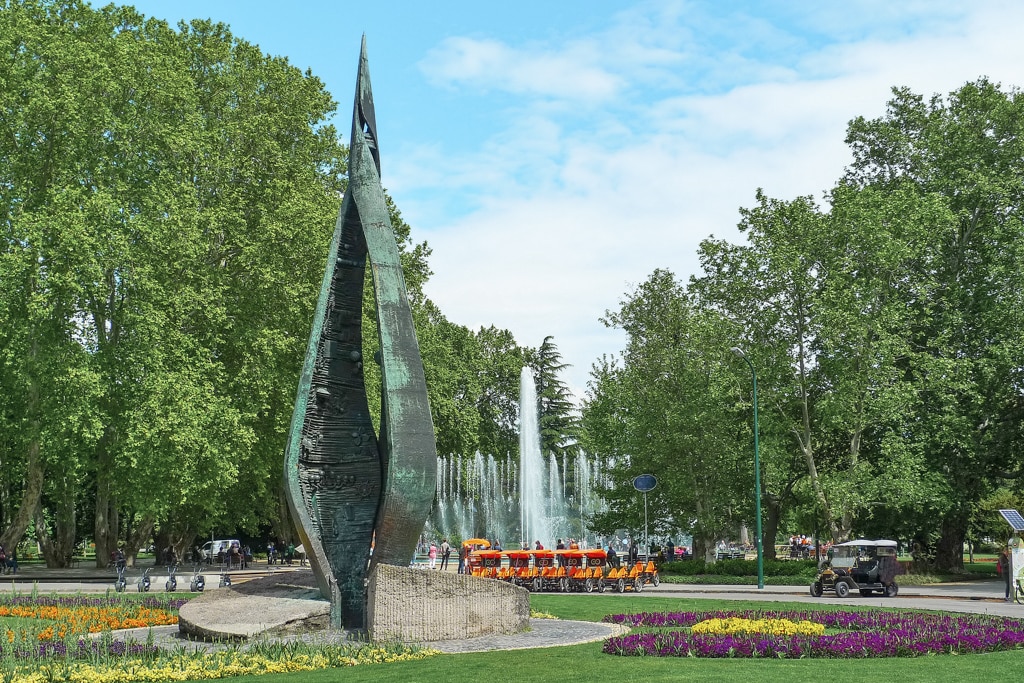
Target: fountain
536, 498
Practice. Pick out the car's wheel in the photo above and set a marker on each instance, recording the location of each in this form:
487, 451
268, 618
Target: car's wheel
563, 584
891, 590
538, 584
656, 581
816, 589
842, 589
620, 585
638, 584
588, 586
600, 586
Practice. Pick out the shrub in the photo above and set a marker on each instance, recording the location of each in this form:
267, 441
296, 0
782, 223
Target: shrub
740, 568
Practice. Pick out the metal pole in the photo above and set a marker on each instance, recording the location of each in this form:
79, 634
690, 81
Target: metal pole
647, 541
757, 475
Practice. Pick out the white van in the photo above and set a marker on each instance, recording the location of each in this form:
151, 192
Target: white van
211, 549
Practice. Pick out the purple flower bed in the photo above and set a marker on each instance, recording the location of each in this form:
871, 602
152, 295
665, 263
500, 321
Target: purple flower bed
864, 634
89, 601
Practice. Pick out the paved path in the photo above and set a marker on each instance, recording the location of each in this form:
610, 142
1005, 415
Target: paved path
976, 597
979, 597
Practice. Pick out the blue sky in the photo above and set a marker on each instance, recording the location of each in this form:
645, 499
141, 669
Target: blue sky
554, 153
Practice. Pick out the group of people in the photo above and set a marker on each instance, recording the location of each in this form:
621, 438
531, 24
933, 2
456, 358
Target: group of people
800, 546
444, 551
285, 555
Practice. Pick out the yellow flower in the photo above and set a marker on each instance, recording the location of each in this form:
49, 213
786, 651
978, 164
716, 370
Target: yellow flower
774, 627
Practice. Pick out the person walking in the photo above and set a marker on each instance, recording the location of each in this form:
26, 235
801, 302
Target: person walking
432, 555
446, 551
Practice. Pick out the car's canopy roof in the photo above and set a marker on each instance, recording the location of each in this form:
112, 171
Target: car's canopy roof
866, 542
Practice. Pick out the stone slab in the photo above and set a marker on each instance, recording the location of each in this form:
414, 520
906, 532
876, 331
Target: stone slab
273, 605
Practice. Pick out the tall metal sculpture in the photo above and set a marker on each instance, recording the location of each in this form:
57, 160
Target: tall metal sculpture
359, 500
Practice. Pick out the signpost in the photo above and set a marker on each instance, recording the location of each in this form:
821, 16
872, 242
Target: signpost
643, 484
1016, 546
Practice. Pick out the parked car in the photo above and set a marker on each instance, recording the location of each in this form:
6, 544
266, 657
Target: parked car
211, 549
860, 565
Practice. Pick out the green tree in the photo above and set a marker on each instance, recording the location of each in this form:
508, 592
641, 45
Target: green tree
557, 415
498, 402
967, 149
672, 407
166, 196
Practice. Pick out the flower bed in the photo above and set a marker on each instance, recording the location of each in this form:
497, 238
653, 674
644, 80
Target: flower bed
58, 649
858, 634
80, 615
196, 666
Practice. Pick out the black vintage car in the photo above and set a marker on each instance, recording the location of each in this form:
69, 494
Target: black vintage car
860, 565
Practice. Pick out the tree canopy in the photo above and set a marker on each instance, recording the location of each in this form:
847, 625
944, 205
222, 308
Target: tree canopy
885, 328
167, 196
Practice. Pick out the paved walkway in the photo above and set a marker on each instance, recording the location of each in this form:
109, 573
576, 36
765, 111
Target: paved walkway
979, 597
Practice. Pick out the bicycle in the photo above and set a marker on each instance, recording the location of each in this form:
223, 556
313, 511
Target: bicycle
225, 578
198, 582
1018, 592
120, 583
171, 584
144, 582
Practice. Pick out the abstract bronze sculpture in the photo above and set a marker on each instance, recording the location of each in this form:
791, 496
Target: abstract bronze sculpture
358, 500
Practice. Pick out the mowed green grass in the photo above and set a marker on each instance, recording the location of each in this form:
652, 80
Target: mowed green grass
587, 663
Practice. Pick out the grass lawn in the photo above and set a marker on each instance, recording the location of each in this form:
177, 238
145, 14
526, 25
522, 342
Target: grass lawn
588, 663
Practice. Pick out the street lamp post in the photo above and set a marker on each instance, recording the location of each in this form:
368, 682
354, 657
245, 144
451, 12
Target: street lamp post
757, 475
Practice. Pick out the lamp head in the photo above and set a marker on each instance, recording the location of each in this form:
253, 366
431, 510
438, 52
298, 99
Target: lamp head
739, 352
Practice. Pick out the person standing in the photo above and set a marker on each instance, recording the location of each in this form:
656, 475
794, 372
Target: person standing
1004, 567
432, 555
446, 551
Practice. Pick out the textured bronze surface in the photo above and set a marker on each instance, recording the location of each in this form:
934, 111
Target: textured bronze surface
346, 490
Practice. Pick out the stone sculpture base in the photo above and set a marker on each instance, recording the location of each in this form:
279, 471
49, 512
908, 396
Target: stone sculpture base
279, 604
408, 605
420, 606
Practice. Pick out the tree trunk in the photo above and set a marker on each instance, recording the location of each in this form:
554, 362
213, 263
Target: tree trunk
282, 526
137, 537
949, 555
705, 547
59, 547
32, 494
771, 526
105, 524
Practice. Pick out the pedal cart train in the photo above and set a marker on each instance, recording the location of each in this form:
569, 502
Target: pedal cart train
859, 565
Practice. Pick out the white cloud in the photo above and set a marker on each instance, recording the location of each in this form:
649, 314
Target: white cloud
568, 73
571, 207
